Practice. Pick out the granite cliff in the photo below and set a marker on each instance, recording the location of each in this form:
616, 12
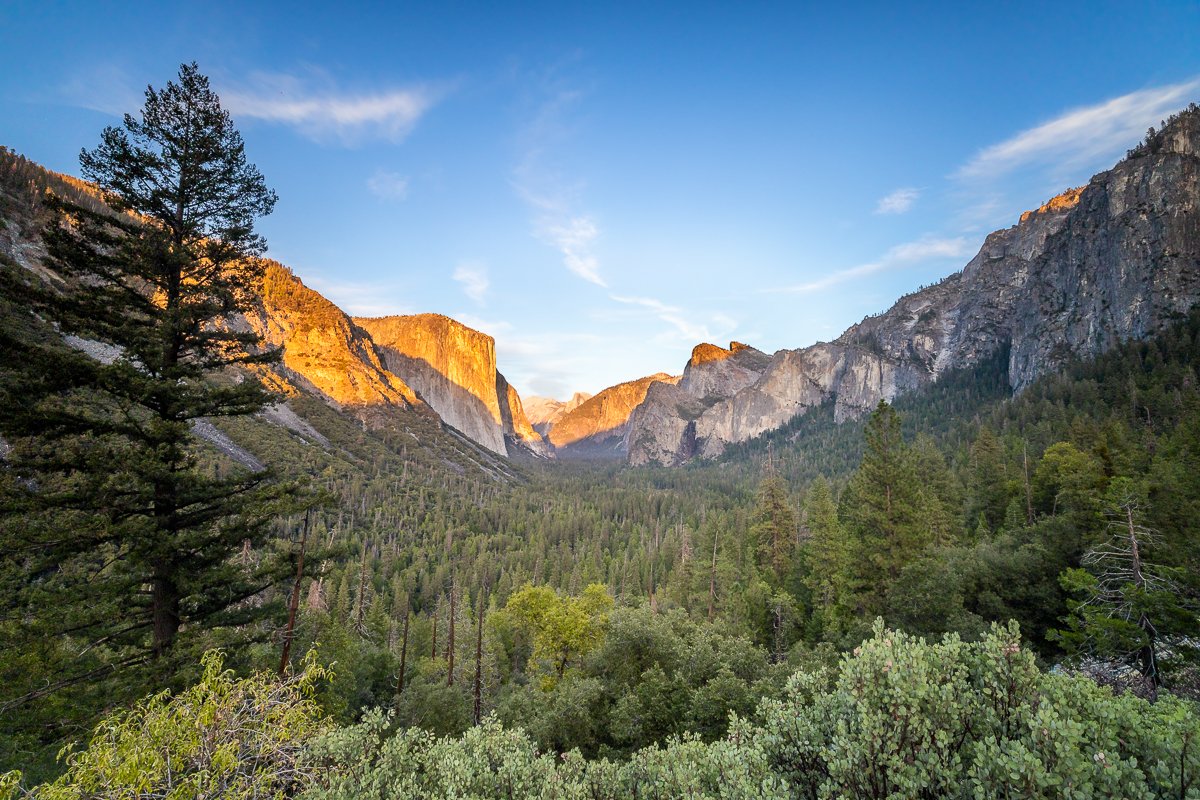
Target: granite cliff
1106, 262
453, 369
597, 427
323, 350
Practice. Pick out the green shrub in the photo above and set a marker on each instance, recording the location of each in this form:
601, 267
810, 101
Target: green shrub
224, 737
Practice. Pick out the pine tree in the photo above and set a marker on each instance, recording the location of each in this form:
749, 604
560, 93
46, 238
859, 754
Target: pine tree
827, 552
987, 484
882, 510
775, 528
1130, 609
124, 529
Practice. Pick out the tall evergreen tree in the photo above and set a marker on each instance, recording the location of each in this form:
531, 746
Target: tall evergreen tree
775, 528
128, 537
987, 484
882, 510
827, 552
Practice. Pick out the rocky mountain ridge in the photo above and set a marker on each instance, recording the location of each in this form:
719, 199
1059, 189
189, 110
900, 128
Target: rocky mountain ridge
1113, 260
597, 427
1110, 261
426, 363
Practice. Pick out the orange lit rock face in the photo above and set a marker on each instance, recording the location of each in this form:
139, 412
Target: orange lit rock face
451, 366
600, 422
1063, 202
453, 369
322, 347
703, 353
421, 361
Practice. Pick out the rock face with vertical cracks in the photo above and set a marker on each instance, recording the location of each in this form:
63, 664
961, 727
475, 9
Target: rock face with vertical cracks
453, 369
1110, 261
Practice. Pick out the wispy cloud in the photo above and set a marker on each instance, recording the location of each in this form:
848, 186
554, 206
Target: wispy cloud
898, 201
574, 238
107, 88
474, 281
312, 103
388, 185
558, 218
925, 249
687, 326
323, 111
1082, 134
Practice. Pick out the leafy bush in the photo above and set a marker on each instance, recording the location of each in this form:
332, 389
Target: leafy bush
899, 718
224, 737
907, 719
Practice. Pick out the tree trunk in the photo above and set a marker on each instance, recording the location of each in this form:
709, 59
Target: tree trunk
479, 659
403, 653
294, 603
450, 642
165, 603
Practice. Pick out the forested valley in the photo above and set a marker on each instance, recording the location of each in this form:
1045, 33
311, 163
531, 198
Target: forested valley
962, 593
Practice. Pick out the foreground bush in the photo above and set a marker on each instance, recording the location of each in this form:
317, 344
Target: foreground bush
363, 762
905, 719
897, 719
223, 738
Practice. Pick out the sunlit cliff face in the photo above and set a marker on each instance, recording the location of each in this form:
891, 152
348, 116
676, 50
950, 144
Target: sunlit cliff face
605, 415
703, 353
1062, 202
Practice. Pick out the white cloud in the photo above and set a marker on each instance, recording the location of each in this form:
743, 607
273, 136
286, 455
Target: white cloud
687, 325
322, 111
1083, 134
558, 219
898, 201
388, 185
574, 238
106, 88
925, 249
474, 281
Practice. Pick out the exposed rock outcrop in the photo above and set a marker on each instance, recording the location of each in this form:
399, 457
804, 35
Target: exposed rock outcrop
663, 429
597, 427
1113, 260
323, 350
453, 369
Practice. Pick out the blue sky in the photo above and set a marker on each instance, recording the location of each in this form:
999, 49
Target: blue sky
603, 186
